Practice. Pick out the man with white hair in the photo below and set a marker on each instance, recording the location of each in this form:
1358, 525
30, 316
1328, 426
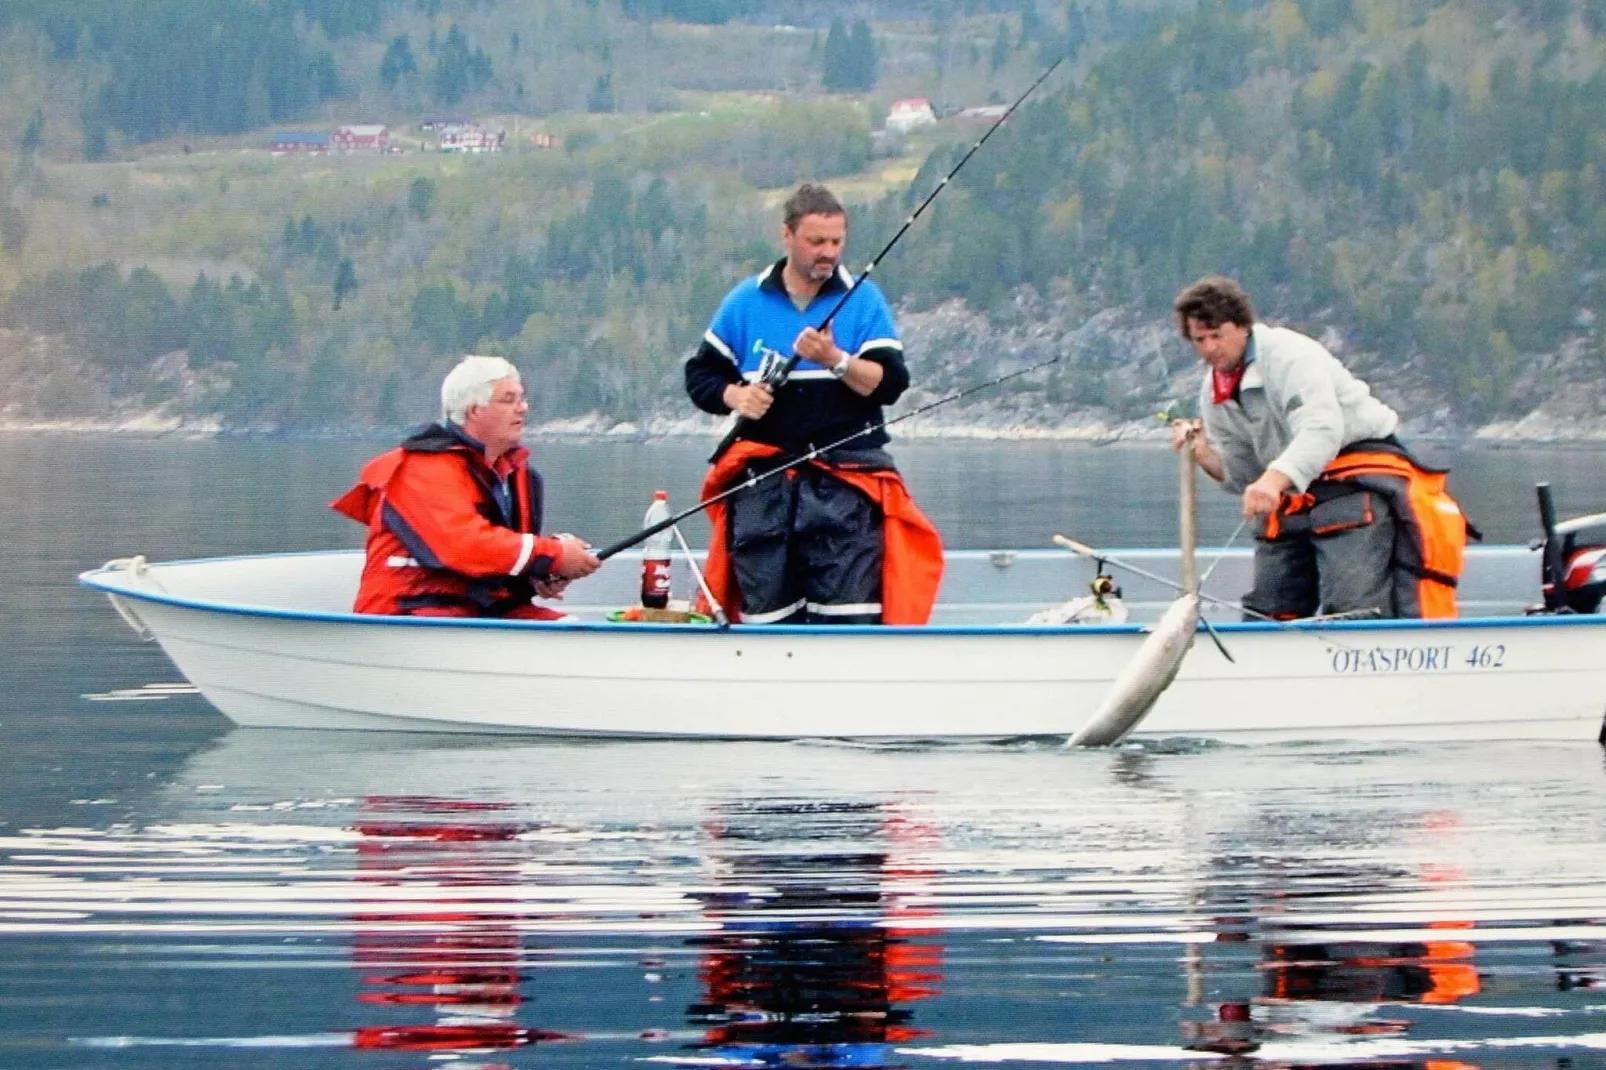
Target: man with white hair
454, 513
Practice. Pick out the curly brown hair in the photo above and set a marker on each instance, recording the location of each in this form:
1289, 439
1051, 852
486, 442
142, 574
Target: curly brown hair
1212, 301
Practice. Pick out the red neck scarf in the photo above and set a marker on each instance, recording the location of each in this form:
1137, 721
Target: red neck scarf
1224, 384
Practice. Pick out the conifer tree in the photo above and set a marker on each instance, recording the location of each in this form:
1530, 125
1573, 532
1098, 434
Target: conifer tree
862, 51
33, 135
398, 62
838, 73
345, 281
600, 99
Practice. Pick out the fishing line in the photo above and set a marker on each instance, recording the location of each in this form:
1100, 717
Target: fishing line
714, 608
1237, 531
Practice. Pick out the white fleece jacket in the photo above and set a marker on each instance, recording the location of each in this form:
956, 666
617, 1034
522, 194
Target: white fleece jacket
1298, 406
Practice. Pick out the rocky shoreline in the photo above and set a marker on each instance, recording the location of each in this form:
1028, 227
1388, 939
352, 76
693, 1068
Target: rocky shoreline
1531, 431
1104, 379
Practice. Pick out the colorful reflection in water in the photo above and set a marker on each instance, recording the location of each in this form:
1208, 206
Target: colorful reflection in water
817, 958
345, 902
451, 973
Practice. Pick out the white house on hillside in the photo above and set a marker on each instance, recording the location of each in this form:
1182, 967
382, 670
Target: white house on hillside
909, 113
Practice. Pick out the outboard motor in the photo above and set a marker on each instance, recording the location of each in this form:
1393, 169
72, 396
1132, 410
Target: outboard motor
1572, 572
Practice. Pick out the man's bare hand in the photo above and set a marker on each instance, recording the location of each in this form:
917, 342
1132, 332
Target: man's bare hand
1262, 497
576, 560
818, 346
551, 587
749, 401
1186, 432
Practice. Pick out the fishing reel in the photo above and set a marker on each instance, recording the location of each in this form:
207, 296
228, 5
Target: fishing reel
774, 368
1103, 585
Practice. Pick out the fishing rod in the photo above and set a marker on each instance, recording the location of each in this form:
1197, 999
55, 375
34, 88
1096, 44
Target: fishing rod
780, 373
753, 481
785, 368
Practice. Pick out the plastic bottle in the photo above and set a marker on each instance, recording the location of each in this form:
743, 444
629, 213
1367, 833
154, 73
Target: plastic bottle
655, 555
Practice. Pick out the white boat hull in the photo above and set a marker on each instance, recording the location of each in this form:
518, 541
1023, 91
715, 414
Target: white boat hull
294, 660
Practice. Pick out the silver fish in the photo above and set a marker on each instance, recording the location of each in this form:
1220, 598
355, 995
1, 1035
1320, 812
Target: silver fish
1144, 678
1155, 665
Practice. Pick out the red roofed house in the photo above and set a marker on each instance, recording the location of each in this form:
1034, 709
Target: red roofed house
909, 113
360, 139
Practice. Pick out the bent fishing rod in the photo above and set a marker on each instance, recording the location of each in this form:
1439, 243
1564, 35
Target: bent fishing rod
753, 481
781, 372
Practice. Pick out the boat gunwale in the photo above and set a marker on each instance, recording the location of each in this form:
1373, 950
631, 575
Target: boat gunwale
96, 579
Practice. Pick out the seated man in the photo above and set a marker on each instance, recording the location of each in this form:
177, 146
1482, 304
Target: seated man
454, 512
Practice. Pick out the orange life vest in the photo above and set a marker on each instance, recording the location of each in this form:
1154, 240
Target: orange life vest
439, 543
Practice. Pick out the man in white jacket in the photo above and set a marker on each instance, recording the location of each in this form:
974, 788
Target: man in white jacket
1277, 409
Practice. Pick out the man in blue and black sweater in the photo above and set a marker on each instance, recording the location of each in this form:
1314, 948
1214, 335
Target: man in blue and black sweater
807, 546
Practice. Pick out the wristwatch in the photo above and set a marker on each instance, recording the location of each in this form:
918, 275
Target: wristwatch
840, 368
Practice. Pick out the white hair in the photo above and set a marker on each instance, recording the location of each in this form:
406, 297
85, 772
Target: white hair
469, 384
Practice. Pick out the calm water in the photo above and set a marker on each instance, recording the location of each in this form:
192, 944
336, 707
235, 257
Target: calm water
174, 893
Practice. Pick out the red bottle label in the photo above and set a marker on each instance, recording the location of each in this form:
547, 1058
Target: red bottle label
654, 583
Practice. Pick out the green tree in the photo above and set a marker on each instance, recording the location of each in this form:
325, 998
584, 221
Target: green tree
850, 57
459, 70
600, 99
838, 59
398, 62
345, 281
421, 198
1003, 45
96, 139
443, 321
33, 135
863, 52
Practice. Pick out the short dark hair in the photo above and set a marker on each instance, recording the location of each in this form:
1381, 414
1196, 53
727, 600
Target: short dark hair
1212, 301
810, 200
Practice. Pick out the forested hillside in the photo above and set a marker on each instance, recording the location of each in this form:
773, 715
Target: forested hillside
1423, 182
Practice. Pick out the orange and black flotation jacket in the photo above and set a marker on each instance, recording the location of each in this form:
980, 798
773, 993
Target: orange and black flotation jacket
444, 536
911, 560
1432, 531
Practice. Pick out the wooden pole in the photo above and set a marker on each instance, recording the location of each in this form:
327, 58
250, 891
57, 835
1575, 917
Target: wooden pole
1190, 568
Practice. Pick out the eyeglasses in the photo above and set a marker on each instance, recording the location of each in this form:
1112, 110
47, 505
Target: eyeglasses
509, 399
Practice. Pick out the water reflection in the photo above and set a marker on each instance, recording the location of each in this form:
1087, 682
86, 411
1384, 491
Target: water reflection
458, 965
405, 903
812, 962
1340, 989
1336, 982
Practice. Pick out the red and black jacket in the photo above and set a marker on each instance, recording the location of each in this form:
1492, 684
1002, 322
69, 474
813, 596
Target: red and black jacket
441, 538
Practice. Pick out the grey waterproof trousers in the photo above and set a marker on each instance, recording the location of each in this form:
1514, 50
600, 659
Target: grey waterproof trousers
806, 548
1336, 558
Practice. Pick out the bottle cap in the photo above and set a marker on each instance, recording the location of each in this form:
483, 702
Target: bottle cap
660, 495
